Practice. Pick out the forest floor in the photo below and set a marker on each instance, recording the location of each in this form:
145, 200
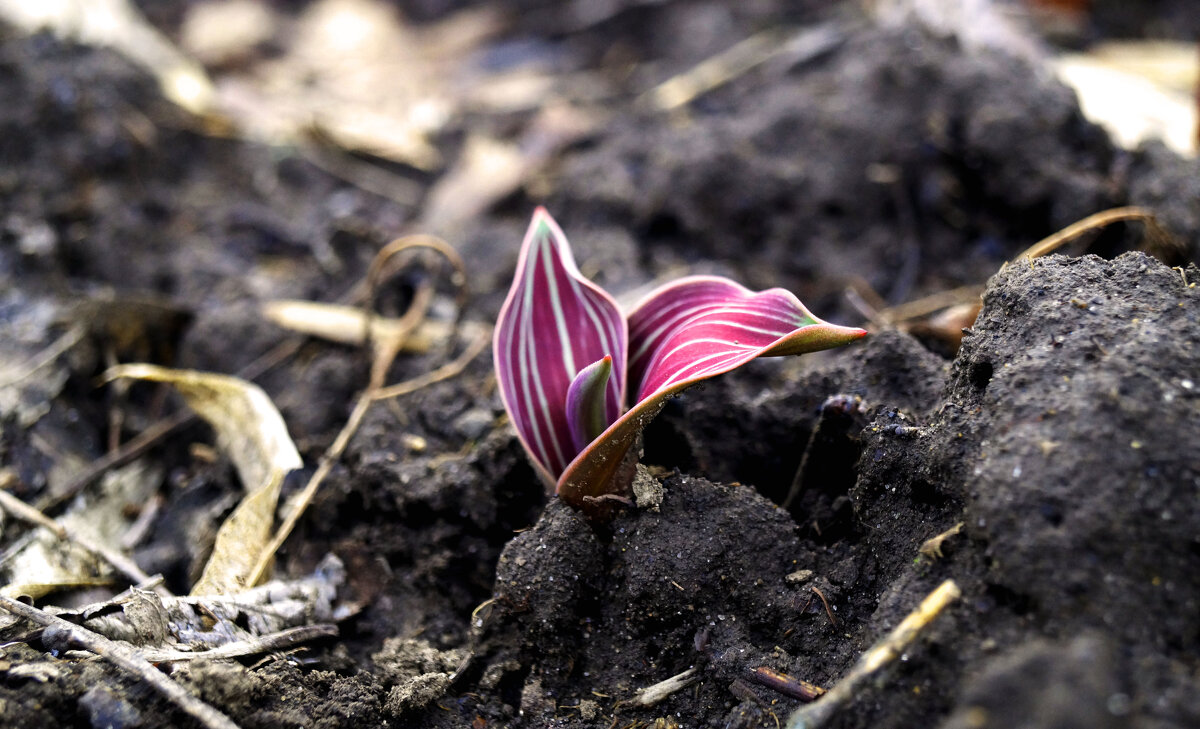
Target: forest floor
1055, 447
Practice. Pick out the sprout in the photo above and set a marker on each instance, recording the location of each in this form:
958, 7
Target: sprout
568, 361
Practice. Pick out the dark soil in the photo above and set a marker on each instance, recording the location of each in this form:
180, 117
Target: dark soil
1062, 434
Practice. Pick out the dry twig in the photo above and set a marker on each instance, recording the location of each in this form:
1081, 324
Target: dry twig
787, 685
142, 442
385, 352
25, 512
128, 659
885, 651
931, 304
652, 695
740, 59
1094, 222
445, 372
45, 357
281, 641
932, 547
828, 610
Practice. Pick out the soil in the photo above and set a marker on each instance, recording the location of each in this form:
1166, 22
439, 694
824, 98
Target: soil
796, 494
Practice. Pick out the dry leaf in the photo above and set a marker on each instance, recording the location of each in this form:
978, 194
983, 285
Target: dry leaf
227, 31
118, 25
1137, 91
251, 431
358, 74
334, 322
487, 170
46, 563
348, 325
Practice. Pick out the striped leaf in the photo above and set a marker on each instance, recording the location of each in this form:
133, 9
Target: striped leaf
701, 326
589, 408
553, 324
685, 332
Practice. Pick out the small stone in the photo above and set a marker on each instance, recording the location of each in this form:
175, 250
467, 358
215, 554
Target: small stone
474, 423
106, 709
416, 693
588, 709
647, 490
799, 577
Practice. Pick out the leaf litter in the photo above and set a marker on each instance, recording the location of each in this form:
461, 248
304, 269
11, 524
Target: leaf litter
226, 617
252, 432
367, 317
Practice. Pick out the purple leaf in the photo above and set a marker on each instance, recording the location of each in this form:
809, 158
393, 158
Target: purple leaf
590, 407
685, 332
553, 324
701, 326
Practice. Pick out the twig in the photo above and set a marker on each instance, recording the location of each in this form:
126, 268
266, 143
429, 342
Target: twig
386, 349
825, 602
932, 547
737, 60
127, 659
445, 372
715, 71
46, 356
1093, 222
141, 526
885, 651
330, 457
335, 450
25, 512
844, 405
1183, 274
283, 640
927, 305
384, 354
610, 498
864, 299
365, 176
787, 685
651, 695
131, 449
143, 441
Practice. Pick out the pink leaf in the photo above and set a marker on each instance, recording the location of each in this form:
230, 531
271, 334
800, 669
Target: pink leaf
685, 332
701, 326
590, 405
553, 324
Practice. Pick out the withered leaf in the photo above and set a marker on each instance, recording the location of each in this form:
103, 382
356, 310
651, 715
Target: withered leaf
252, 432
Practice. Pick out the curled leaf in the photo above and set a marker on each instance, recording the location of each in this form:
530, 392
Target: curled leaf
252, 432
554, 323
701, 326
688, 341
589, 409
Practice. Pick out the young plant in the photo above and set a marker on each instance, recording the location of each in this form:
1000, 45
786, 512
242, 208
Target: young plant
580, 379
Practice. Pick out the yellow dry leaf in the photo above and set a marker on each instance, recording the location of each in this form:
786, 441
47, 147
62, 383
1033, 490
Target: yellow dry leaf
45, 562
348, 325
334, 322
119, 25
37, 590
487, 170
252, 432
1137, 90
240, 541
